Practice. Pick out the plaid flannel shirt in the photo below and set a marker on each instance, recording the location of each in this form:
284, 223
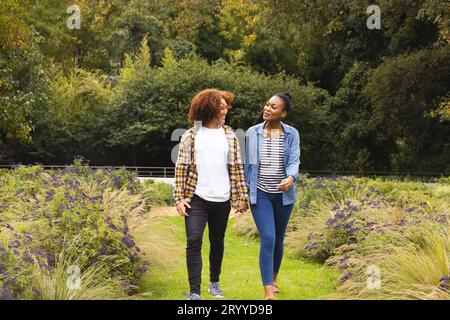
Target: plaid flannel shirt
186, 170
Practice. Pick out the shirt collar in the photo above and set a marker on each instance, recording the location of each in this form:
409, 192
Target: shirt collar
226, 128
286, 129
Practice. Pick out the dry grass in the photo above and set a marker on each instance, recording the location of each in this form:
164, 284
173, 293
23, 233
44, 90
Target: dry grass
157, 246
68, 280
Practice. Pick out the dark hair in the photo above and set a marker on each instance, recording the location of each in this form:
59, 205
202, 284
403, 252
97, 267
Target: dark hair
206, 104
287, 99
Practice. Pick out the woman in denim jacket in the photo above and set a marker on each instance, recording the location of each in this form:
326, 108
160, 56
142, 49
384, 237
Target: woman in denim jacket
272, 159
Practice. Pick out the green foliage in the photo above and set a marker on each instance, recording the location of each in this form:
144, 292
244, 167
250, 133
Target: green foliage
401, 99
76, 215
130, 28
158, 193
114, 91
155, 102
348, 113
357, 224
95, 283
23, 79
67, 126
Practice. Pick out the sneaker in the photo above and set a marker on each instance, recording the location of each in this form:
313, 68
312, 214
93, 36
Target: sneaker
194, 296
215, 290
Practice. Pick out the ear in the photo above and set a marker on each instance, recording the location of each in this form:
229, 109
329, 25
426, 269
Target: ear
284, 114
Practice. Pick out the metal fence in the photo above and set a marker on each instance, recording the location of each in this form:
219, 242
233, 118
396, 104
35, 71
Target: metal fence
169, 172
145, 172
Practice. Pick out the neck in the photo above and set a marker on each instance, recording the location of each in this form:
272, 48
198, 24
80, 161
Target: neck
212, 125
276, 124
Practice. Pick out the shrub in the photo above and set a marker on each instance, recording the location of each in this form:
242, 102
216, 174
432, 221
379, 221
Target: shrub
157, 193
41, 212
399, 228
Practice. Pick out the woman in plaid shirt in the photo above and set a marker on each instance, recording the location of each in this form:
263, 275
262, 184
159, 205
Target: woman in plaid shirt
209, 179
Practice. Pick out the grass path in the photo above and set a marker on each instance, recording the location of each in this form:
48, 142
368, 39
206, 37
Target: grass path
163, 239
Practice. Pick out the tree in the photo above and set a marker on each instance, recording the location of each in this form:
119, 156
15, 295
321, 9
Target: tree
332, 35
130, 28
237, 22
23, 80
403, 91
349, 111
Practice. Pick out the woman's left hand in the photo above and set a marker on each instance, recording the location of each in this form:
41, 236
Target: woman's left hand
286, 184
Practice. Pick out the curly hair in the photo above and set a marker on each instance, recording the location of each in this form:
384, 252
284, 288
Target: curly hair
205, 106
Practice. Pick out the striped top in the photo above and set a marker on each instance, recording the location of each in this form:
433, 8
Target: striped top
271, 169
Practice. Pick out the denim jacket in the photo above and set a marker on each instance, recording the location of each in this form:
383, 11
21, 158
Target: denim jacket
253, 142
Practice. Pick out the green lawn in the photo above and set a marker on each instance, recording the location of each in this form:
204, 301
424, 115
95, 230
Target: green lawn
240, 277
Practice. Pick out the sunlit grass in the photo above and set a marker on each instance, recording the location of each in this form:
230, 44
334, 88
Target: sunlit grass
240, 277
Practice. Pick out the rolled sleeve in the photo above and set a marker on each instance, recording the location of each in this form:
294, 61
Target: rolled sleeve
182, 168
293, 162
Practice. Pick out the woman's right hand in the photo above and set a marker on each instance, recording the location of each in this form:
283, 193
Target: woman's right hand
181, 207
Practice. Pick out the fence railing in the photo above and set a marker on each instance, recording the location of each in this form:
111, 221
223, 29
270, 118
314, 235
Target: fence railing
150, 172
169, 172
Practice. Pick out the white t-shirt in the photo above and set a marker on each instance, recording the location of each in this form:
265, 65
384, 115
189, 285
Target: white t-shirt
211, 155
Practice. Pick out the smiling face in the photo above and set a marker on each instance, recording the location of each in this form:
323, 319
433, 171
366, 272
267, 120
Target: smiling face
210, 107
274, 109
219, 119
223, 112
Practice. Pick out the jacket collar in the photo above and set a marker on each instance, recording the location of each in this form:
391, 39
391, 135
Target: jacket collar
286, 128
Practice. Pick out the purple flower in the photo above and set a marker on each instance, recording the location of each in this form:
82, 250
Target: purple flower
28, 258
45, 266
345, 278
128, 242
49, 196
142, 270
312, 246
3, 271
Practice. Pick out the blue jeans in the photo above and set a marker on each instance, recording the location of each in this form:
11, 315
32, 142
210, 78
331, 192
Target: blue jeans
271, 219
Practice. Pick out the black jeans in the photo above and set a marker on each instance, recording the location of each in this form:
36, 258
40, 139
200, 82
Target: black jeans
201, 212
